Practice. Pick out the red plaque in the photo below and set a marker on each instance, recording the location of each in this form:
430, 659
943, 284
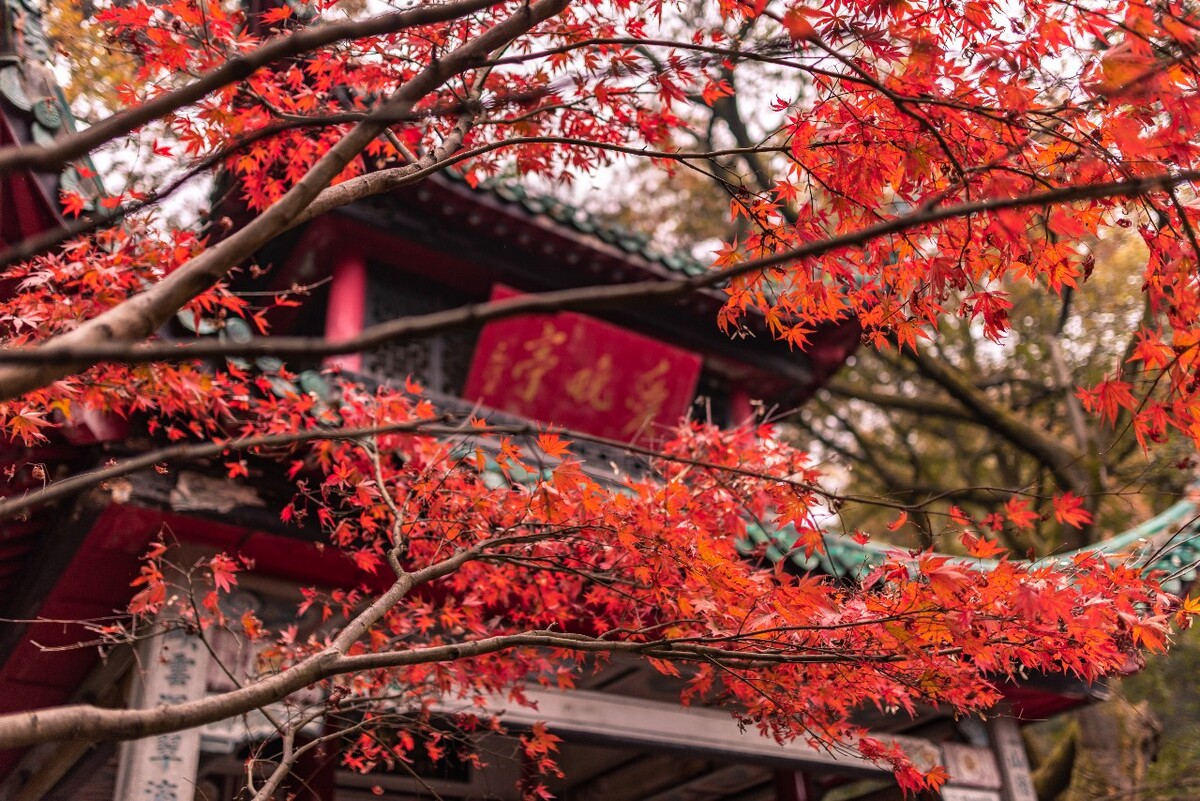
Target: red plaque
577, 372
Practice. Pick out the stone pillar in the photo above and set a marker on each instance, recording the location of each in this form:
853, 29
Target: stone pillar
170, 670
1010, 754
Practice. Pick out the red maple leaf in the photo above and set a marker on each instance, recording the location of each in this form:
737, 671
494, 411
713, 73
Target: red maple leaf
1068, 509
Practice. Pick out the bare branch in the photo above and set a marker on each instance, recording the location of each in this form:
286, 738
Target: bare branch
890, 400
1050, 451
86, 722
201, 450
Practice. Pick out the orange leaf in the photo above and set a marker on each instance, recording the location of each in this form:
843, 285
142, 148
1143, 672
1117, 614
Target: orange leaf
798, 27
552, 445
1068, 509
277, 14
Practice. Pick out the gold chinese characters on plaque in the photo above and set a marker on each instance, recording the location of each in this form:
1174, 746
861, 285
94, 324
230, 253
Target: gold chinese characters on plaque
580, 373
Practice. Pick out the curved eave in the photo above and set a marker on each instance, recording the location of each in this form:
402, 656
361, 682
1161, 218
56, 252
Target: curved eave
1167, 544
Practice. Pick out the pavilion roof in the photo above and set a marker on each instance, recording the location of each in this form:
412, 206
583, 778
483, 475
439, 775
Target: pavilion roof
1168, 543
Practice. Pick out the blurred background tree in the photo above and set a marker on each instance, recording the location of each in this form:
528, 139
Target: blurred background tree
92, 66
974, 424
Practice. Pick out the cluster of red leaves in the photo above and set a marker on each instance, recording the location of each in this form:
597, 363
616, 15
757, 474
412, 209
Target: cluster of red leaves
912, 106
54, 293
602, 94
915, 106
908, 106
656, 563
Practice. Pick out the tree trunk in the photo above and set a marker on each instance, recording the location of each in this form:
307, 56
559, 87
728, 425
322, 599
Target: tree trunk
1114, 745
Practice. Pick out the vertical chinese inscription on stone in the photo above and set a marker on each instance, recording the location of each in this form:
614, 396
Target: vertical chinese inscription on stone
163, 767
162, 790
166, 751
179, 669
1014, 765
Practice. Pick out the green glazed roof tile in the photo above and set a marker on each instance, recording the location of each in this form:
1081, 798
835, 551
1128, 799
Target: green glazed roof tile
583, 222
534, 204
28, 84
1168, 543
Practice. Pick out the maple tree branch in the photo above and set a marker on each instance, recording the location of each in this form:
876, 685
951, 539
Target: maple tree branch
33, 367
387, 180
675, 649
398, 544
291, 753
139, 316
83, 721
52, 237
903, 105
782, 45
1118, 444
381, 181
443, 426
199, 450
357, 188
64, 149
890, 400
45, 240
1048, 450
87, 722
42, 242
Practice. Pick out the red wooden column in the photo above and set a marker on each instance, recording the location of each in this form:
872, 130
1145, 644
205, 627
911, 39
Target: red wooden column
347, 308
741, 410
793, 786
316, 773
